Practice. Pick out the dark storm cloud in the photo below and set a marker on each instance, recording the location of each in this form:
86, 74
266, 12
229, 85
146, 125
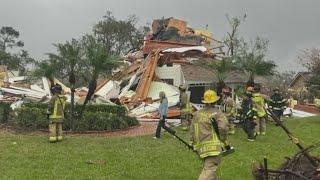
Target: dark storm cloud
290, 25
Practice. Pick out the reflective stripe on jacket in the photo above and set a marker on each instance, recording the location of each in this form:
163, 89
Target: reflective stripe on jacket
56, 107
259, 104
277, 102
203, 135
185, 104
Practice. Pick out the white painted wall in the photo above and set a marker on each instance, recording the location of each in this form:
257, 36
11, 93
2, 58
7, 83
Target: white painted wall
173, 72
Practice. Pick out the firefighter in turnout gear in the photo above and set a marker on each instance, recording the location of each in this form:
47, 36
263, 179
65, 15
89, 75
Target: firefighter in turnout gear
229, 108
248, 114
277, 103
209, 129
259, 106
55, 113
185, 108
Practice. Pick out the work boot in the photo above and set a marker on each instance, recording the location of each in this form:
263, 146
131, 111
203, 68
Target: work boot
172, 132
53, 139
185, 128
60, 138
228, 150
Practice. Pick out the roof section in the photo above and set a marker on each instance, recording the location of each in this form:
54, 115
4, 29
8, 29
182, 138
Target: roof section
304, 75
198, 73
239, 77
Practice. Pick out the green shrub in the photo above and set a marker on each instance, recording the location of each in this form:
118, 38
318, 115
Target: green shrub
95, 118
4, 112
119, 110
31, 118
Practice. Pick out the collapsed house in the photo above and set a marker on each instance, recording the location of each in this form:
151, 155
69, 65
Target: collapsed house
169, 57
165, 62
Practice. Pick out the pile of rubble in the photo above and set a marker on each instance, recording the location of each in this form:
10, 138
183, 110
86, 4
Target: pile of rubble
156, 67
17, 90
298, 167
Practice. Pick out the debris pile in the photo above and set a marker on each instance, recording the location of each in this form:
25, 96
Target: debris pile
297, 167
156, 66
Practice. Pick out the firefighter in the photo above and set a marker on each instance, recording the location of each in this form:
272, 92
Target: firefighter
248, 114
185, 108
229, 108
209, 129
55, 113
259, 106
277, 103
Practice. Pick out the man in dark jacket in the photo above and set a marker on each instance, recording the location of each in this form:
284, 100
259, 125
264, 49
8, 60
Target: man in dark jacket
248, 114
277, 103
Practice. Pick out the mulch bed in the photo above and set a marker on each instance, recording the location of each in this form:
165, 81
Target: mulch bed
308, 108
144, 128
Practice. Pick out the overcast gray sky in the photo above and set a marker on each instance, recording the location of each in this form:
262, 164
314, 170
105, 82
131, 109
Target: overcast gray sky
290, 25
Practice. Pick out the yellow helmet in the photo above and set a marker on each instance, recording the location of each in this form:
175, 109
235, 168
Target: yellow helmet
210, 96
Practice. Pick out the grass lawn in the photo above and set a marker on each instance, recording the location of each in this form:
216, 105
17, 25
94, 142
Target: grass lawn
32, 157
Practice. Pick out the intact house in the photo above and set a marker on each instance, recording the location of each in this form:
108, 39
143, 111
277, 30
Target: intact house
299, 82
298, 86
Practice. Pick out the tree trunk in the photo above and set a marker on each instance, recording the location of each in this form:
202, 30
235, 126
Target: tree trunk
92, 88
220, 85
51, 81
72, 107
72, 81
250, 82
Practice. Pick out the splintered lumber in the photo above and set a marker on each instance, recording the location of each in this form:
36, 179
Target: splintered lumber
147, 77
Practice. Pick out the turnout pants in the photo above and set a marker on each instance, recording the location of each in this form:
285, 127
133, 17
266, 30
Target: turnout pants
185, 120
55, 129
248, 127
278, 113
231, 126
210, 166
261, 125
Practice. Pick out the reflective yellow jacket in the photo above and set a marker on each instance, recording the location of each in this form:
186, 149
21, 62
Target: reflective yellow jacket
185, 104
56, 108
203, 135
259, 104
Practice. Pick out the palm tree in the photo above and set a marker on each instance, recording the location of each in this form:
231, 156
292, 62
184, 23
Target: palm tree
46, 69
98, 61
221, 68
252, 60
69, 56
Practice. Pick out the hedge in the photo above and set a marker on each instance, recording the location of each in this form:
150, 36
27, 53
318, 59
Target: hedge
4, 112
95, 118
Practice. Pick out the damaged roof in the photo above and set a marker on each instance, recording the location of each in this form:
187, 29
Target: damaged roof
195, 73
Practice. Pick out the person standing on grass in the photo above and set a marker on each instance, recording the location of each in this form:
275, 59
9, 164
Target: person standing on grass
277, 103
259, 105
55, 113
248, 114
229, 108
208, 130
185, 108
163, 110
